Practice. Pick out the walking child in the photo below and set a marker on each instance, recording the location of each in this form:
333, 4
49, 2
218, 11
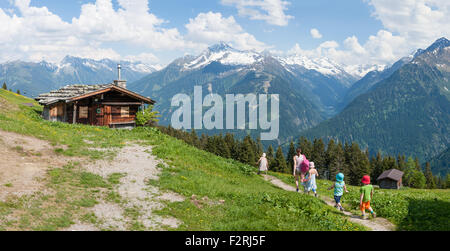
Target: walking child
339, 187
263, 164
366, 196
310, 180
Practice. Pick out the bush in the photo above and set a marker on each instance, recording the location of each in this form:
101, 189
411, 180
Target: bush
147, 117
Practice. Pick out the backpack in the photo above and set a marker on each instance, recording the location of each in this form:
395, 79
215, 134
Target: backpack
304, 166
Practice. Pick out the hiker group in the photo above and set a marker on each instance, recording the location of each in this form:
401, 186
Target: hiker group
305, 173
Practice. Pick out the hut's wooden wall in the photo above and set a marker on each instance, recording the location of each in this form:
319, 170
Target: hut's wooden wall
105, 110
389, 184
55, 112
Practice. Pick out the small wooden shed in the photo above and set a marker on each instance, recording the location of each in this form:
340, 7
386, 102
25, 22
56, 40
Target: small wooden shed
390, 179
100, 105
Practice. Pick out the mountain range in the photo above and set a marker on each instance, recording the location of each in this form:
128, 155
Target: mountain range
311, 90
406, 113
35, 78
402, 108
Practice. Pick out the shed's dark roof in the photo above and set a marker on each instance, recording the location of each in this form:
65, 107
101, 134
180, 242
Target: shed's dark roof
393, 174
69, 92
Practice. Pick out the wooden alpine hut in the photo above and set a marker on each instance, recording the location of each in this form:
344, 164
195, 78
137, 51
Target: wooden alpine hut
391, 179
100, 105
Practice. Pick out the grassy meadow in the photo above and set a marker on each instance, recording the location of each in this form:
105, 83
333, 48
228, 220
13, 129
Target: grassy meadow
407, 208
221, 194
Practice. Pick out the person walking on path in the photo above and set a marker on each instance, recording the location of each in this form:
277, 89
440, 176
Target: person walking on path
298, 160
263, 164
310, 180
366, 196
339, 187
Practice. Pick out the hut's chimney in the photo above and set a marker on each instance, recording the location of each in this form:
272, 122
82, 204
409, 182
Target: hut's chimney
119, 82
118, 70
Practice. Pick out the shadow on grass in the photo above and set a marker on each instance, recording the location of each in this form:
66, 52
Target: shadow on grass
426, 215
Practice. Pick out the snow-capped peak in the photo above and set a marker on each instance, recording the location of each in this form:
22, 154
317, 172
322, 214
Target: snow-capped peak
224, 54
222, 46
323, 65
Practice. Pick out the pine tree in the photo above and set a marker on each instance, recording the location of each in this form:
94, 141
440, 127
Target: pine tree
447, 181
250, 147
259, 147
280, 161
306, 146
230, 141
4, 86
389, 163
337, 164
418, 167
401, 163
222, 147
413, 177
203, 141
270, 157
290, 156
246, 152
376, 166
194, 139
357, 162
211, 145
431, 184
329, 158
18, 92
318, 156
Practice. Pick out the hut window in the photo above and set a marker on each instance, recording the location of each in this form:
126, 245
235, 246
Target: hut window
83, 112
125, 111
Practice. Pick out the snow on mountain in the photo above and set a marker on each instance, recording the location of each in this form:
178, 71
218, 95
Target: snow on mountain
105, 64
224, 54
362, 70
227, 55
323, 65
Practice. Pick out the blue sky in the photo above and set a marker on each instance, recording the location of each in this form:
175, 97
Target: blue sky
351, 31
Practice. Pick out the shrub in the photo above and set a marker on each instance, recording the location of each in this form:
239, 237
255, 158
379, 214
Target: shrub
147, 117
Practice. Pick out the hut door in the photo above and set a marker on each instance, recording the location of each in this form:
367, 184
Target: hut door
97, 115
107, 115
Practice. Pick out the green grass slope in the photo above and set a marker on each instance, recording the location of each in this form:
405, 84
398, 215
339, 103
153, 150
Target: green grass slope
237, 199
407, 208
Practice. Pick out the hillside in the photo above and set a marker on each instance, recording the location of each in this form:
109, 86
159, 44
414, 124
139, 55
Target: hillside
407, 113
182, 188
216, 193
369, 80
440, 164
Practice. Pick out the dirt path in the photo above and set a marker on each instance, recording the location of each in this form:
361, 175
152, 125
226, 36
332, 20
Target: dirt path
136, 166
377, 224
24, 162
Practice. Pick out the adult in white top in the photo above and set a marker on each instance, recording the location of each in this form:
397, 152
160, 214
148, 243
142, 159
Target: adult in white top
298, 159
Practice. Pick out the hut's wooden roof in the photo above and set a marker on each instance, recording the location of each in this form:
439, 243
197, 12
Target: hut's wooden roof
393, 174
71, 93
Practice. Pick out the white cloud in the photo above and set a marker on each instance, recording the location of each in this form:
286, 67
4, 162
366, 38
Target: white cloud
420, 22
131, 23
35, 33
315, 33
209, 28
408, 25
270, 11
147, 58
